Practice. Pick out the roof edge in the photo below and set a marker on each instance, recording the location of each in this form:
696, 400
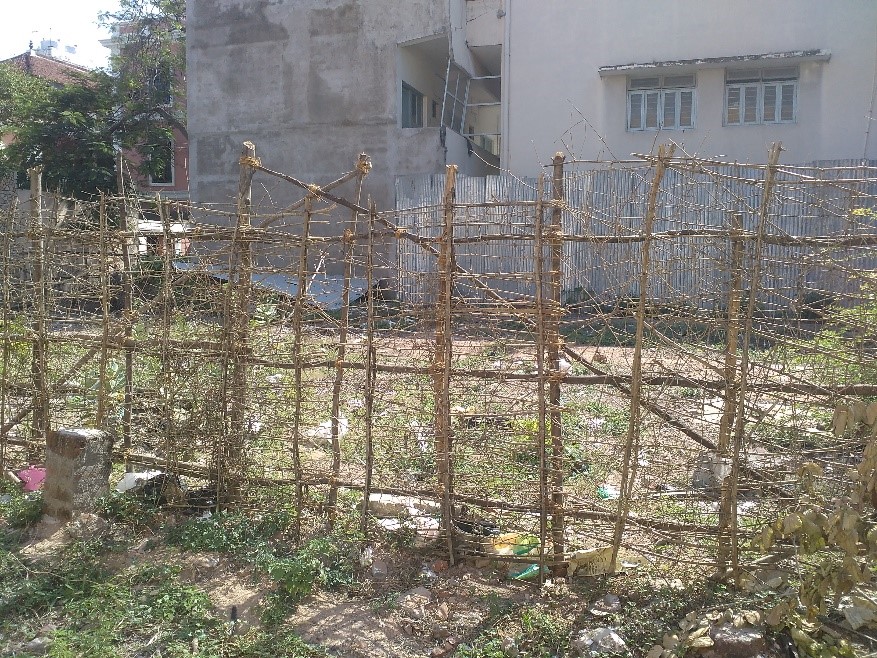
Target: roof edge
789, 56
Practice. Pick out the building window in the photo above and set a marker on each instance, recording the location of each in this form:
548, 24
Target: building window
755, 96
161, 164
412, 107
160, 85
660, 102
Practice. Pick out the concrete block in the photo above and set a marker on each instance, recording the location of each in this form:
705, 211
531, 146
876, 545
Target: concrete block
78, 464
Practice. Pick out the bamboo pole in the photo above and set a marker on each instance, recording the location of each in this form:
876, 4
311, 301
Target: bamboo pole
7, 313
341, 351
167, 295
442, 359
100, 415
730, 394
241, 321
552, 337
631, 446
733, 330
541, 373
297, 321
229, 449
128, 310
370, 375
739, 422
39, 358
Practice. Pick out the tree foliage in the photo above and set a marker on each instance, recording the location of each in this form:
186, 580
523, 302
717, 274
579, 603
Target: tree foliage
74, 130
64, 129
149, 69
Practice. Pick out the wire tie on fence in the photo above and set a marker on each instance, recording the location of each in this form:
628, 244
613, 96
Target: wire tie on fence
251, 161
364, 164
400, 232
315, 189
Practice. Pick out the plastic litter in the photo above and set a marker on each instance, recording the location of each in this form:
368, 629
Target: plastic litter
591, 562
132, 480
515, 543
608, 492
527, 572
323, 432
32, 477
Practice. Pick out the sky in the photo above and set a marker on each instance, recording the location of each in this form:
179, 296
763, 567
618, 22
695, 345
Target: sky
70, 22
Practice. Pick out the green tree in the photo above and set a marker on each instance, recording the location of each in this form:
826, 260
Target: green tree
149, 68
66, 129
75, 130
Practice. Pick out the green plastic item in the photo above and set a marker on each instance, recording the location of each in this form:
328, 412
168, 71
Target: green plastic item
528, 572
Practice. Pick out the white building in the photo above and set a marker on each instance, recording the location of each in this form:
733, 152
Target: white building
608, 78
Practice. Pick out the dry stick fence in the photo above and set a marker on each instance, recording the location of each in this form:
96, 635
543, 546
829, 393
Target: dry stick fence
475, 399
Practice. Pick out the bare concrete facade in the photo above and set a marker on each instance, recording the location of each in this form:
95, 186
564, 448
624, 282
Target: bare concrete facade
313, 83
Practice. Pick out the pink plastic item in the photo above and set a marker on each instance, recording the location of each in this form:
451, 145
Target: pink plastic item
32, 477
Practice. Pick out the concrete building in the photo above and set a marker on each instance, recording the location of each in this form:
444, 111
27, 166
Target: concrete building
313, 83
418, 84
613, 77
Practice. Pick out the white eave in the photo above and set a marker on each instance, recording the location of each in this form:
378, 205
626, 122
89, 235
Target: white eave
784, 58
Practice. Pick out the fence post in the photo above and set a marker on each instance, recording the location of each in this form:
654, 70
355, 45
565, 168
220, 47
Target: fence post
543, 376
370, 368
552, 335
729, 491
230, 453
631, 446
39, 358
128, 297
100, 415
297, 320
166, 296
7, 312
723, 447
442, 358
332, 498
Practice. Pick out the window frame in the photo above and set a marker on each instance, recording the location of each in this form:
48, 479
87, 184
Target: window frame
760, 84
654, 96
171, 165
405, 113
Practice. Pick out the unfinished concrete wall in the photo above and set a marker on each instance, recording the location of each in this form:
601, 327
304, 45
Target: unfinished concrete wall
312, 83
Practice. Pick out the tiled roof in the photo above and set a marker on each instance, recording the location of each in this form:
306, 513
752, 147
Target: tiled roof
47, 68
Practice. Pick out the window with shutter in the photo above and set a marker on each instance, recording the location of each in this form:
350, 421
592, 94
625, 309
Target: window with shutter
758, 96
660, 103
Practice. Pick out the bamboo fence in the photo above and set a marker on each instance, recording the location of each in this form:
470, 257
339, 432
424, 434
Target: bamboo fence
635, 362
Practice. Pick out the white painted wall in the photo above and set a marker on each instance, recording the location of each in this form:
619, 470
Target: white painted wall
554, 98
485, 24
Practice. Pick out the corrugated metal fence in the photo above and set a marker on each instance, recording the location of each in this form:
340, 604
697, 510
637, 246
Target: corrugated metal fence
812, 206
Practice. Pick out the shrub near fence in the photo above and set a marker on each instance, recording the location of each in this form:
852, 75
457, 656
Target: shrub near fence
592, 381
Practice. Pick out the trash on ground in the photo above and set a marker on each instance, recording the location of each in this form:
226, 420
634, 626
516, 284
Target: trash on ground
597, 641
132, 480
591, 562
608, 491
605, 606
32, 477
514, 543
387, 505
323, 432
526, 572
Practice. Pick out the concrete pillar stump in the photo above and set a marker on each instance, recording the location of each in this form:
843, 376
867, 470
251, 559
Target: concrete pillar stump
78, 465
